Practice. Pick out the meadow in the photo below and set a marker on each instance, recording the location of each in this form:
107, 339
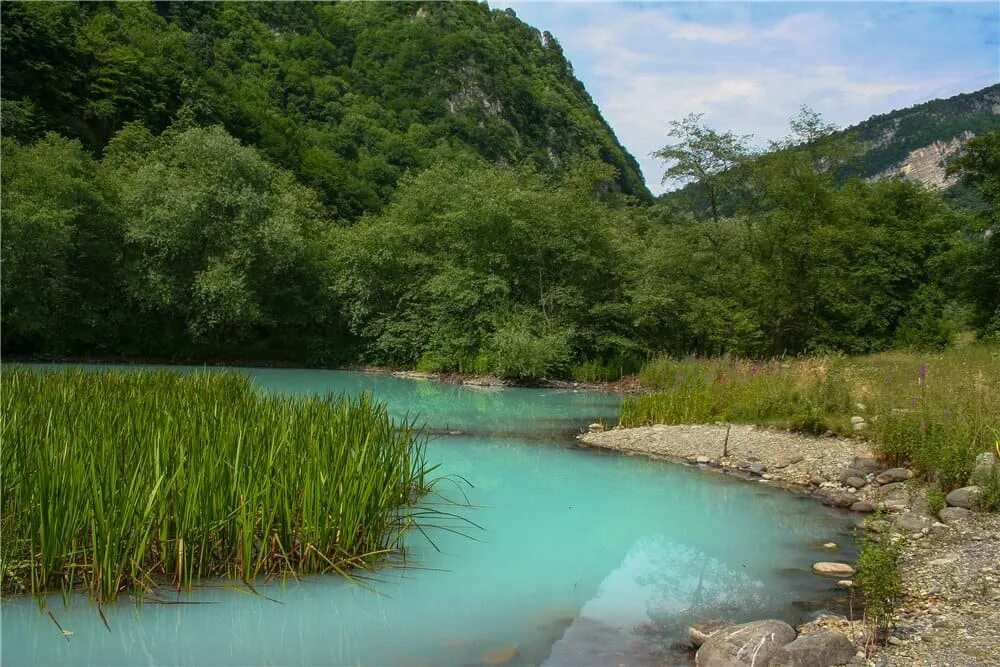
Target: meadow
935, 411
129, 481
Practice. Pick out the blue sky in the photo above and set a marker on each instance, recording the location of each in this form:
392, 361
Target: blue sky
749, 66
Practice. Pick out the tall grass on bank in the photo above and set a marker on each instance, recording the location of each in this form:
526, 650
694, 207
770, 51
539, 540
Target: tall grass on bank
934, 411
116, 481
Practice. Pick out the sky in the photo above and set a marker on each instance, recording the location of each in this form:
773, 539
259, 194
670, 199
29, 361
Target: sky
749, 66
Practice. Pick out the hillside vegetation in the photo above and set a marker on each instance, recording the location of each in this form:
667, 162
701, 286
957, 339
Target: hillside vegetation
428, 186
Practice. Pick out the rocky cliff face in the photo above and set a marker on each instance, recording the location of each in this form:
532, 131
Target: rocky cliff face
928, 164
916, 143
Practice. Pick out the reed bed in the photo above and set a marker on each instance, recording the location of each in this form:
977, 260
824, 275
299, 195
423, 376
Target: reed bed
125, 481
935, 411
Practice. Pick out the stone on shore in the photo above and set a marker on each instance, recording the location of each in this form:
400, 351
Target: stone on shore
595, 428
836, 497
952, 514
866, 466
863, 506
912, 523
894, 475
856, 482
967, 497
700, 632
745, 644
757, 468
816, 480
828, 569
816, 649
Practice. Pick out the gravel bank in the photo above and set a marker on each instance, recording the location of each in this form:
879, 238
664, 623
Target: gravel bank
950, 613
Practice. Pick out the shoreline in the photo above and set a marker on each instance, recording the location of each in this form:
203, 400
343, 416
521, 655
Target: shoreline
625, 386
950, 609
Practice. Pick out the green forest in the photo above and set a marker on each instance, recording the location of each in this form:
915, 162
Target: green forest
420, 185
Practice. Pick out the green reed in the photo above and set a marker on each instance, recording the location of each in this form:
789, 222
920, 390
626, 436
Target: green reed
122, 481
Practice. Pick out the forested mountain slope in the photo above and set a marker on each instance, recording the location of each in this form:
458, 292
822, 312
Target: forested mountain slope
347, 96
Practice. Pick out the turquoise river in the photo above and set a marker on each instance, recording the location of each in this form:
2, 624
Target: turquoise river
580, 557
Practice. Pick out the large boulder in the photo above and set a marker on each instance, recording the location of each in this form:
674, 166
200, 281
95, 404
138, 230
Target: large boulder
966, 497
894, 475
750, 644
700, 632
816, 649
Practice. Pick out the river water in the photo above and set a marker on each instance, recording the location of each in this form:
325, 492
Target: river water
566, 556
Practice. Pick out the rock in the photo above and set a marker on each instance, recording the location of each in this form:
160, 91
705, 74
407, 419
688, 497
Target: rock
866, 466
828, 569
894, 475
966, 497
985, 462
702, 459
816, 480
912, 523
830, 545
501, 656
862, 506
857, 419
816, 649
757, 468
836, 498
787, 461
856, 482
744, 644
767, 475
596, 428
700, 632
952, 514
858, 423
894, 505
850, 472
845, 583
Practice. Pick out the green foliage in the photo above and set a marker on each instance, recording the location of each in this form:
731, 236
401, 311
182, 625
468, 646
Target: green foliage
880, 582
519, 352
347, 96
61, 247
117, 481
935, 500
608, 369
989, 481
472, 259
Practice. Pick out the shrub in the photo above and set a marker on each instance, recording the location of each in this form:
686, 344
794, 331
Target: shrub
518, 352
935, 499
880, 582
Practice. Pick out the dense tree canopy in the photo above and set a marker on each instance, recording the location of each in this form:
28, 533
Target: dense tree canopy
428, 186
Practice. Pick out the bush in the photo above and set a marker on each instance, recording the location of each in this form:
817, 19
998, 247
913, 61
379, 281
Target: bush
989, 481
517, 352
935, 499
880, 582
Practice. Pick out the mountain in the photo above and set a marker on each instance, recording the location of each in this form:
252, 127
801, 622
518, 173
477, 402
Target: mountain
347, 96
916, 143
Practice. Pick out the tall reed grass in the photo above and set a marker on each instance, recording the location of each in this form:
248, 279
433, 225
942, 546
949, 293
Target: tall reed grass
934, 411
117, 481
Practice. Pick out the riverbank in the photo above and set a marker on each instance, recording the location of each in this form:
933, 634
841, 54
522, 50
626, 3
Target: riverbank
950, 562
627, 385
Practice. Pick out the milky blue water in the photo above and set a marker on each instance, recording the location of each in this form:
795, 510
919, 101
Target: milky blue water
582, 557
